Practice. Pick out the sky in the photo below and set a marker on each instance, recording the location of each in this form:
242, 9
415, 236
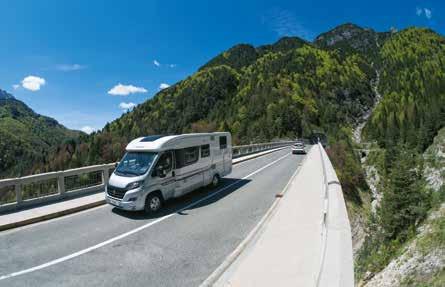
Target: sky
85, 63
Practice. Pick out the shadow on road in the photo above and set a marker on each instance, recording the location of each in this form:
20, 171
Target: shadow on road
177, 205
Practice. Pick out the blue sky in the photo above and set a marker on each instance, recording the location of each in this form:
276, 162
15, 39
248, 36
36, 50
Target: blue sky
66, 59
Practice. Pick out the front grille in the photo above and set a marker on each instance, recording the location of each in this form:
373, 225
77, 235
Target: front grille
116, 191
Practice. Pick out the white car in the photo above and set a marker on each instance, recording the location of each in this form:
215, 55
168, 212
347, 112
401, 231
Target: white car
298, 148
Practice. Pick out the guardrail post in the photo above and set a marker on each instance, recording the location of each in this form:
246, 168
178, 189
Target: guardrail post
105, 176
18, 193
61, 184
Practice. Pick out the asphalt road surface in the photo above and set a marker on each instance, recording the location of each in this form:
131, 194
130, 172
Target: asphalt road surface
181, 246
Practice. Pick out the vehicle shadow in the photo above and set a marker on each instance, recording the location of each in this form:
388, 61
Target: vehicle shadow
198, 198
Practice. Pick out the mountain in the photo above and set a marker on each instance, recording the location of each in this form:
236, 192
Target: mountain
243, 55
350, 38
5, 96
26, 137
282, 90
287, 89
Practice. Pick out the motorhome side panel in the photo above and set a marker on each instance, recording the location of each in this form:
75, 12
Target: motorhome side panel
191, 166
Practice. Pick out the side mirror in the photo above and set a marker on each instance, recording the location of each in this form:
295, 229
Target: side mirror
116, 164
159, 171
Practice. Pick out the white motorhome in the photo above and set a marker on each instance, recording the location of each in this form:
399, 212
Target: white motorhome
157, 168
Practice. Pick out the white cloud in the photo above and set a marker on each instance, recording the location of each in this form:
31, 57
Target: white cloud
87, 129
163, 86
125, 90
428, 13
285, 23
158, 64
16, 86
424, 11
33, 83
70, 67
419, 11
127, 106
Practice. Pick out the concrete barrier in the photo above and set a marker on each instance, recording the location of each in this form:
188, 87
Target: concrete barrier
337, 265
303, 240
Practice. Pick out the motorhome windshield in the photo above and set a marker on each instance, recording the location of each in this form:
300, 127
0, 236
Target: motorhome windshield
135, 163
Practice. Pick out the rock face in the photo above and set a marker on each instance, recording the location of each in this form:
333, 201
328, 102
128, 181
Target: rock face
422, 260
358, 233
435, 162
349, 38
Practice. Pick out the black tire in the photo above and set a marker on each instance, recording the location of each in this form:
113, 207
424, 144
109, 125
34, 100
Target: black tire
215, 181
153, 203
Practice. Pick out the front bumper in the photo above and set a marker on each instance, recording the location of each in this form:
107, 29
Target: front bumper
124, 203
298, 151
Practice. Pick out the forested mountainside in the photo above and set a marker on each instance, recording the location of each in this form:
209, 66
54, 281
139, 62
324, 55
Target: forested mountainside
413, 84
283, 90
26, 137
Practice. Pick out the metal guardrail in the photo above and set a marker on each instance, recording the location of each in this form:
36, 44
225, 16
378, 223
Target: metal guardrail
243, 150
53, 186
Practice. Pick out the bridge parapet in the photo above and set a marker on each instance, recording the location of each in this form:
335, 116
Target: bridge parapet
336, 264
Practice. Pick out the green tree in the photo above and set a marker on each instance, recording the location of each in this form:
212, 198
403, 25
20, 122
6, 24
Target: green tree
405, 200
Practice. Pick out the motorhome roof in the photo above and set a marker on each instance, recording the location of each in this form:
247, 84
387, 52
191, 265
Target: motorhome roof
164, 142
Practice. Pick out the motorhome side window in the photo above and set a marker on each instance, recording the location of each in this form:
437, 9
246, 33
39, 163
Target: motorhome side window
205, 150
186, 156
222, 142
191, 155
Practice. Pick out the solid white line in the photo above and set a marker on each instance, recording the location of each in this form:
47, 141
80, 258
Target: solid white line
126, 234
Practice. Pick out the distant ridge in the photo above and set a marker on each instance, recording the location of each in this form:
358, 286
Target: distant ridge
26, 137
5, 95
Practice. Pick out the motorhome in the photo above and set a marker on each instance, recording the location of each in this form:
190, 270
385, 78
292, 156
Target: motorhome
157, 168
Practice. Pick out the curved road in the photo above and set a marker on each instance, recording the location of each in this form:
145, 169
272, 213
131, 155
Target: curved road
181, 246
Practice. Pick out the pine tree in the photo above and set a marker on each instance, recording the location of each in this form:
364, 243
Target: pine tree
404, 200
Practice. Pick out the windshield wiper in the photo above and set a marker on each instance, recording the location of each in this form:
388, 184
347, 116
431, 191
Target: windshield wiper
124, 173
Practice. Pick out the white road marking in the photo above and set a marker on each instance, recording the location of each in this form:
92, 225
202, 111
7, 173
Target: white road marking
126, 234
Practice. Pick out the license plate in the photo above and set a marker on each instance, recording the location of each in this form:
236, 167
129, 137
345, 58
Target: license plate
114, 202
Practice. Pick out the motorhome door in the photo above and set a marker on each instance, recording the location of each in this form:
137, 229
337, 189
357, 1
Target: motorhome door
225, 152
164, 174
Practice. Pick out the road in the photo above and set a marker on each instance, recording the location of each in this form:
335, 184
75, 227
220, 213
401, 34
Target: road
108, 247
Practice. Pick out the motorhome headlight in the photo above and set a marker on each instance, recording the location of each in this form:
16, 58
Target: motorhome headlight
135, 184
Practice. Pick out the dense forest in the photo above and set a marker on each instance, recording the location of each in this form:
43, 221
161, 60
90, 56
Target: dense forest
413, 84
